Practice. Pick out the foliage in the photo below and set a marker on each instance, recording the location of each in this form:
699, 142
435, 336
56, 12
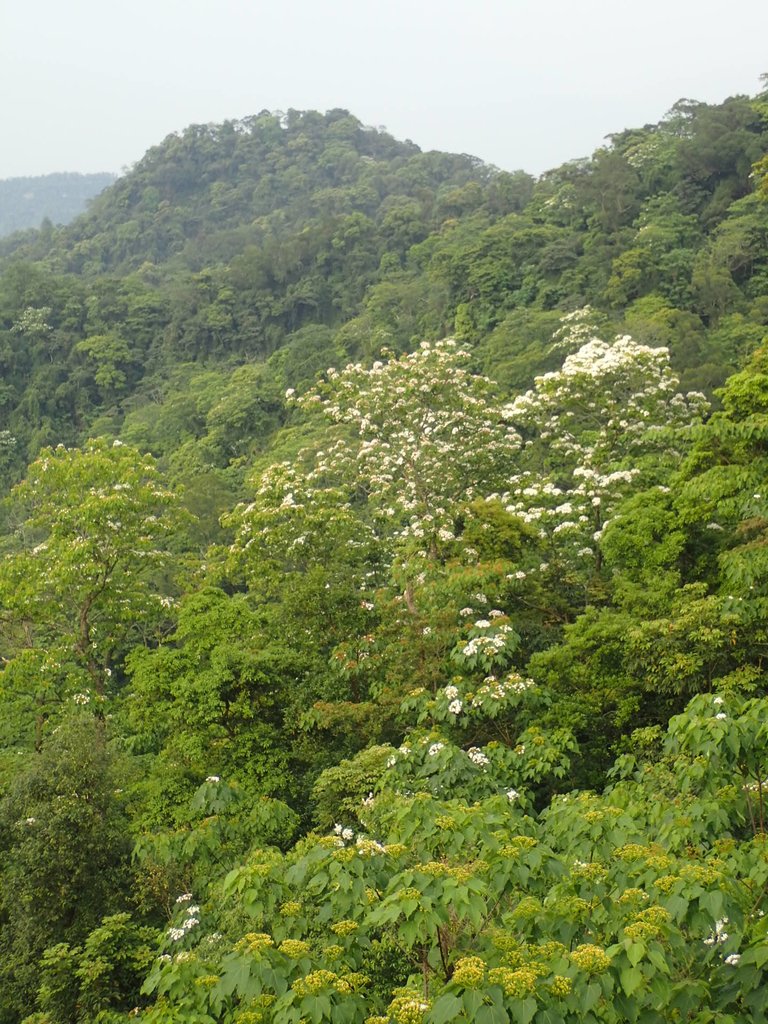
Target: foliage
425, 688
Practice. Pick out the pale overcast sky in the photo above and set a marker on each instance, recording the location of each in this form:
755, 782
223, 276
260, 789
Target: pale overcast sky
89, 85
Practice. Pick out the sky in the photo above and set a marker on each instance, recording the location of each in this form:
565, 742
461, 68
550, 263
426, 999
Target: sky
90, 86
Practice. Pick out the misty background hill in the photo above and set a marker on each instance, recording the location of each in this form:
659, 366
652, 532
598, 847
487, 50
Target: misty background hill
58, 198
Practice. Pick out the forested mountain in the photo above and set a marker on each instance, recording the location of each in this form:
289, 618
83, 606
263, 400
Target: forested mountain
55, 198
384, 584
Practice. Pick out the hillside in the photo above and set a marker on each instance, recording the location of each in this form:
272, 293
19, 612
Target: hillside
384, 584
58, 198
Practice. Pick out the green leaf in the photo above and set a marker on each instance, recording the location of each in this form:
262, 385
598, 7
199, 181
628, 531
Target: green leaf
523, 1011
446, 1008
631, 979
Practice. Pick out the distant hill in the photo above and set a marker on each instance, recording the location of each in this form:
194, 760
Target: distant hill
237, 260
26, 202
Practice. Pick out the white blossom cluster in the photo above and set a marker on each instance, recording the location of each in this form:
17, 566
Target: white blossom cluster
498, 689
189, 921
428, 436
719, 935
589, 429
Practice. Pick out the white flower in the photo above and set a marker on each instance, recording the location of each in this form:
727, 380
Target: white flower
477, 756
30, 821
717, 700
367, 801
290, 392
451, 692
466, 611
190, 923
733, 959
435, 749
175, 934
721, 715
455, 707
512, 795
184, 898
347, 834
191, 911
482, 624
426, 631
213, 778
391, 761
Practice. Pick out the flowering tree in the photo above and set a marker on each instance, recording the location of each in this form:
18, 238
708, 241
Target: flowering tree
420, 435
608, 422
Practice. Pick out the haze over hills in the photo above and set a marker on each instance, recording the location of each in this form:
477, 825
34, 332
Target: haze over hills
384, 584
59, 198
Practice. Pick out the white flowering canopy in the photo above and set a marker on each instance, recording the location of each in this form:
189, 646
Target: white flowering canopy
594, 430
427, 435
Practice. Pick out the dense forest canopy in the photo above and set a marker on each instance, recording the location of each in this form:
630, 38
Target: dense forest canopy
384, 584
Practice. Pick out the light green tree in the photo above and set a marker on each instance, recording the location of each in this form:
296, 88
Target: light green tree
91, 574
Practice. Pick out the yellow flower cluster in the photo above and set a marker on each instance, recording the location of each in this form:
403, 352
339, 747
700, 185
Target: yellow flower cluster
294, 948
667, 882
591, 959
437, 869
510, 946
355, 980
344, 855
524, 842
409, 893
593, 817
515, 983
632, 851
659, 862
333, 952
344, 927
527, 908
319, 981
408, 1009
207, 981
254, 942
291, 908
445, 822
552, 949
371, 895
703, 874
368, 847
574, 908
395, 849
592, 871
633, 896
469, 972
561, 986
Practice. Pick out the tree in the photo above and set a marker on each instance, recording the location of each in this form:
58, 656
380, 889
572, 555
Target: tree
607, 423
91, 574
